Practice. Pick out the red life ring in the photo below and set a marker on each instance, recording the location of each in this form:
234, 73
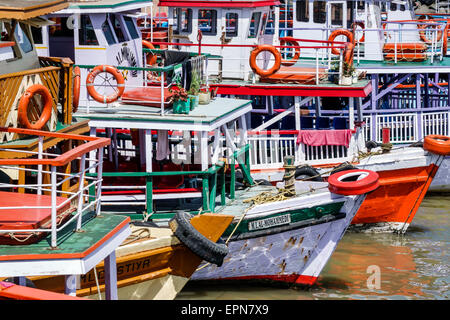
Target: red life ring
437, 144
273, 51
90, 84
422, 32
151, 58
445, 41
353, 182
76, 88
292, 42
339, 32
46, 110
361, 24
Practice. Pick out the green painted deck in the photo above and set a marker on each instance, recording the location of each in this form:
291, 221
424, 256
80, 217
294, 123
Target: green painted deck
202, 114
324, 83
70, 243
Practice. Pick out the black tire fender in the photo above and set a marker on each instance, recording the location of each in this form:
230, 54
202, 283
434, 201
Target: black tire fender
200, 245
307, 173
343, 167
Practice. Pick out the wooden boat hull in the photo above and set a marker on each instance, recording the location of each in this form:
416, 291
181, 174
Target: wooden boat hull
155, 267
292, 254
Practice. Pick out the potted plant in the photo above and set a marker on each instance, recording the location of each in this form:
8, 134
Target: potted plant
194, 90
347, 74
204, 96
179, 99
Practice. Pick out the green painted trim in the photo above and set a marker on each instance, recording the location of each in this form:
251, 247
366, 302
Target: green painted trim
299, 215
92, 6
162, 69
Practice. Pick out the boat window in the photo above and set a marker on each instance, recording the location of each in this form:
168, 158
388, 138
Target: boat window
337, 13
302, 10
175, 21
131, 27
207, 21
86, 33
263, 24
254, 24
186, 20
319, 15
231, 24
270, 26
106, 28
360, 5
37, 35
22, 38
393, 6
350, 13
402, 7
117, 26
383, 6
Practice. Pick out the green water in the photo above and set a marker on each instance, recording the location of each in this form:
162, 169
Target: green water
411, 266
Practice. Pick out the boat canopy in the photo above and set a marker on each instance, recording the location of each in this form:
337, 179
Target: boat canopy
26, 9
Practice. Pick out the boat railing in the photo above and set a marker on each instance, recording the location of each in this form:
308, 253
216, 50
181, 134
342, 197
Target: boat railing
56, 180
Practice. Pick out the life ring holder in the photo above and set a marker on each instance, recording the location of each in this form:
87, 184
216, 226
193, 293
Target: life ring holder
353, 182
151, 58
90, 84
292, 42
339, 32
437, 144
76, 88
46, 109
255, 52
200, 245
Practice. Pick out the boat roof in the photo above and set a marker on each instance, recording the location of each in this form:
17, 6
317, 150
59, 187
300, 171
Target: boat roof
26, 9
219, 3
106, 6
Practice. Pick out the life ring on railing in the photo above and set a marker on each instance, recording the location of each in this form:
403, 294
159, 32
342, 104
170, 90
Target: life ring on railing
276, 66
46, 109
353, 182
423, 36
361, 24
292, 42
437, 144
339, 32
116, 74
348, 52
445, 41
200, 245
150, 57
76, 88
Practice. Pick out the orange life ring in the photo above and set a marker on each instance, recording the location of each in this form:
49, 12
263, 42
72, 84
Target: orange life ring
339, 32
273, 51
361, 24
151, 58
76, 88
445, 41
422, 33
348, 52
292, 42
353, 182
437, 144
90, 83
46, 110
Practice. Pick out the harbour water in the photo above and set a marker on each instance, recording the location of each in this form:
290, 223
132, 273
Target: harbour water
367, 266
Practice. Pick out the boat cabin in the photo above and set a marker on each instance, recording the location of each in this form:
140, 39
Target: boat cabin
100, 32
223, 26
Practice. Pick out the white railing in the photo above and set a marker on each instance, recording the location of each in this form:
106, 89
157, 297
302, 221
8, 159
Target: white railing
57, 195
436, 123
403, 127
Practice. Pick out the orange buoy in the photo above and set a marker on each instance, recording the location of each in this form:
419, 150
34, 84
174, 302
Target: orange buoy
405, 47
361, 24
273, 51
339, 32
437, 144
46, 109
422, 33
76, 88
353, 182
116, 74
291, 42
151, 58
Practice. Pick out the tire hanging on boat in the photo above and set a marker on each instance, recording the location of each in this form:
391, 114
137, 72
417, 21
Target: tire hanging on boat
24, 103
115, 73
353, 182
255, 52
200, 245
307, 173
437, 144
345, 166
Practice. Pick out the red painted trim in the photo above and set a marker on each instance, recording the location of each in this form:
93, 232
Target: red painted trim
218, 4
293, 90
6, 44
16, 292
77, 255
291, 278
